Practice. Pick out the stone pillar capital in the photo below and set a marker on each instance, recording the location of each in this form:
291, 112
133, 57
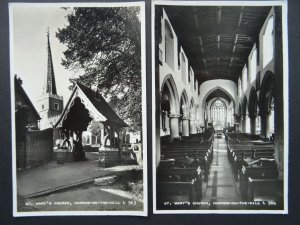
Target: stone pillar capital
186, 118
174, 115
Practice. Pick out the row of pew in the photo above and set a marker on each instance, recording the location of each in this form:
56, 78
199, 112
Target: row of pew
253, 165
183, 167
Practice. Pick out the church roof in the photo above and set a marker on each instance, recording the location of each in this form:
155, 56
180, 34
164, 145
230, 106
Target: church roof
21, 91
96, 105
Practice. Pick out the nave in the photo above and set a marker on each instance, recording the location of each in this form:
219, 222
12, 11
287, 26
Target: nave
220, 109
211, 171
221, 186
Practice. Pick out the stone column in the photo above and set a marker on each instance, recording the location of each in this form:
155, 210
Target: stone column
243, 122
174, 126
164, 120
253, 125
265, 125
167, 121
185, 126
193, 129
161, 117
180, 125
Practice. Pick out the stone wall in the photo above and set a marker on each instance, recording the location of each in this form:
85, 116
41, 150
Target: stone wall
109, 157
39, 147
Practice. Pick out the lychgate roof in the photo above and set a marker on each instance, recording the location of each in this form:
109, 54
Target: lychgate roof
98, 108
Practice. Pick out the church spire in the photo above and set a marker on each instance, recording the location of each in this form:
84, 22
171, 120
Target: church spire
50, 86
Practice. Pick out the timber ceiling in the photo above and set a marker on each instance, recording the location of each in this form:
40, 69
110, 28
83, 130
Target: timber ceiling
217, 40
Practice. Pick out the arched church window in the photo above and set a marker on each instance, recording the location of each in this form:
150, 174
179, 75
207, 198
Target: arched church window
253, 66
218, 113
239, 88
183, 68
169, 45
268, 44
244, 79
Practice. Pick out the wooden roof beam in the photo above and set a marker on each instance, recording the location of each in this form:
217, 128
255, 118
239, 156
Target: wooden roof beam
235, 42
240, 18
201, 45
218, 41
219, 15
204, 62
196, 17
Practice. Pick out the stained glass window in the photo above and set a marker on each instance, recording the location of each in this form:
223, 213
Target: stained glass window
218, 112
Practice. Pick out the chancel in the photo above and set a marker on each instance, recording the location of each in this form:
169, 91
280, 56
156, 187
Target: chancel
219, 107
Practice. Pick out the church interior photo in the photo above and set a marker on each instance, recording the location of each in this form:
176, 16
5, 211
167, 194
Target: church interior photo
220, 141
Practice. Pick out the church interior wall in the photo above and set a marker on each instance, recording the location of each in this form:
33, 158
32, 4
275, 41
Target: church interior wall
260, 68
177, 70
208, 86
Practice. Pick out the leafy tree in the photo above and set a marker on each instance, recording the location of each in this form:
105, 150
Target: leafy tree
104, 44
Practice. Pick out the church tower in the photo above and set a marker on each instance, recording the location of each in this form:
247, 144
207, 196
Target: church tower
50, 103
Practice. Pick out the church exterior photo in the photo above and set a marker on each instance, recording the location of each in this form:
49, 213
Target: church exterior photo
76, 150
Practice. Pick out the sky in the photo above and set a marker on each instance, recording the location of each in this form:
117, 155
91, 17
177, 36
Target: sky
29, 48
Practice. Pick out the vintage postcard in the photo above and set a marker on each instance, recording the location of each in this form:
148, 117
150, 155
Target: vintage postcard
78, 109
220, 107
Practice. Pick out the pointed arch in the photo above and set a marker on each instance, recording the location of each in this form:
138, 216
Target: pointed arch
184, 104
266, 92
169, 88
253, 103
218, 110
221, 89
244, 106
192, 108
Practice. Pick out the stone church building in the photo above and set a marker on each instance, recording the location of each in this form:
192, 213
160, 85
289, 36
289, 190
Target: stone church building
50, 104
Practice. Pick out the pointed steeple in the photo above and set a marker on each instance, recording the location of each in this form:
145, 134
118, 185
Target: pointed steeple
50, 86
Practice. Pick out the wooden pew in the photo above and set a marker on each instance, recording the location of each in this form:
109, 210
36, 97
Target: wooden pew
182, 175
185, 183
238, 153
266, 190
259, 172
185, 190
202, 162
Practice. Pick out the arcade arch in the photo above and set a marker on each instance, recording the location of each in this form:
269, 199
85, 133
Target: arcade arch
254, 112
184, 115
169, 107
193, 129
266, 105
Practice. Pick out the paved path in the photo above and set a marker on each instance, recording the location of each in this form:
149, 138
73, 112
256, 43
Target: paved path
221, 186
52, 175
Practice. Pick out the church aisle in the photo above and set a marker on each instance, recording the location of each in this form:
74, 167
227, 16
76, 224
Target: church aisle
221, 186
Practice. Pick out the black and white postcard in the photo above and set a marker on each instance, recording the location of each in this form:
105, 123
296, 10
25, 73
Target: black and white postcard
78, 108
220, 107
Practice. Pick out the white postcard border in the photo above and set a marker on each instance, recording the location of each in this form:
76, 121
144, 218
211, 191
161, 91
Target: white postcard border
143, 212
284, 6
